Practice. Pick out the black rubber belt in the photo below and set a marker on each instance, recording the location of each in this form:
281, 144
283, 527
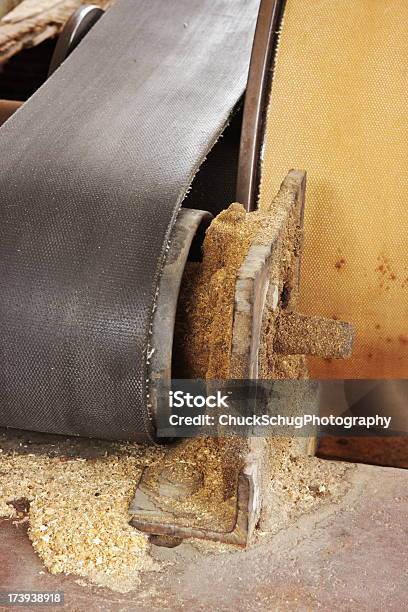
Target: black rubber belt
93, 170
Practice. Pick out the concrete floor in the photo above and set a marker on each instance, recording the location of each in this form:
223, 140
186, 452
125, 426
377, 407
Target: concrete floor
348, 555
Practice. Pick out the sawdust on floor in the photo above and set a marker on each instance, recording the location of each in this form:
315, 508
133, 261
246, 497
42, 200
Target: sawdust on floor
77, 510
297, 484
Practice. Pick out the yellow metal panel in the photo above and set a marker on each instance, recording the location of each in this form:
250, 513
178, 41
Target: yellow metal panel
339, 110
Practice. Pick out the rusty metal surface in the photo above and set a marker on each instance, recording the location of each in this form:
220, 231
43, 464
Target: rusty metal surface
188, 233
149, 517
391, 451
259, 273
256, 100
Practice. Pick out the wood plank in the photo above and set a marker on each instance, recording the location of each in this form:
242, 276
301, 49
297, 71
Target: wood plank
33, 21
7, 5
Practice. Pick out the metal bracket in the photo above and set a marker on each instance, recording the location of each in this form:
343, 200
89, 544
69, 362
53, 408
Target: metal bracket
256, 100
75, 29
150, 518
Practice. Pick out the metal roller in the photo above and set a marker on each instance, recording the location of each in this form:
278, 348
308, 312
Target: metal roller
76, 28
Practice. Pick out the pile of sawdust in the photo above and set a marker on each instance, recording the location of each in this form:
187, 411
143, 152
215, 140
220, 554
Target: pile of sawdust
204, 321
206, 304
78, 512
77, 509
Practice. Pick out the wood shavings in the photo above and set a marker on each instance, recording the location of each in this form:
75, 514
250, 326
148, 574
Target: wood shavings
7, 5
204, 324
204, 321
78, 513
205, 317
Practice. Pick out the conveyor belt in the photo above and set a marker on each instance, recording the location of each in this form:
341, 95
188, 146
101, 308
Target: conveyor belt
94, 168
